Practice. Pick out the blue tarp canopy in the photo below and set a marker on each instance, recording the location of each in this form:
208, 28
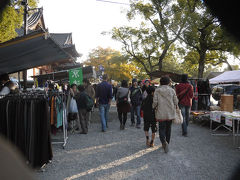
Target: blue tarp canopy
26, 52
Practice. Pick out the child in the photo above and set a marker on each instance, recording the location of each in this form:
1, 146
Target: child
149, 116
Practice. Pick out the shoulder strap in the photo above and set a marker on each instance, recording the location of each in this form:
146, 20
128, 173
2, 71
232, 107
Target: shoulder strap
185, 93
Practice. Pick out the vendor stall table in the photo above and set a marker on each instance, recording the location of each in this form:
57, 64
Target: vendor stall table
201, 116
229, 121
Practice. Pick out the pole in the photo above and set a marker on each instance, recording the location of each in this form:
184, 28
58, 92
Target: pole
19, 82
25, 3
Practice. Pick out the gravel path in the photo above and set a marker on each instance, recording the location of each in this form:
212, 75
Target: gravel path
123, 155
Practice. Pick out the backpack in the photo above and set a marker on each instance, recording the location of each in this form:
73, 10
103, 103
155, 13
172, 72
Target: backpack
136, 96
89, 103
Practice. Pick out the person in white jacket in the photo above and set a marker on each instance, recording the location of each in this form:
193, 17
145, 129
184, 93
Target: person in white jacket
165, 102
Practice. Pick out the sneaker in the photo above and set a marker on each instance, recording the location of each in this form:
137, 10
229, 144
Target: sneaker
121, 127
165, 147
185, 134
147, 143
83, 132
132, 125
103, 130
138, 126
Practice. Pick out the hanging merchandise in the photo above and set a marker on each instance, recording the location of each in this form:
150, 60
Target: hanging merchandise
58, 115
202, 92
25, 122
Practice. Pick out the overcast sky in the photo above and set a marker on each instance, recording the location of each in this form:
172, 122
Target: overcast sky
86, 19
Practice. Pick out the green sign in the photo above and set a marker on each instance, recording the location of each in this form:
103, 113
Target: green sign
75, 76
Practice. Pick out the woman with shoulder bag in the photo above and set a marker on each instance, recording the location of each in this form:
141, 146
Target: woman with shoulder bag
123, 106
165, 102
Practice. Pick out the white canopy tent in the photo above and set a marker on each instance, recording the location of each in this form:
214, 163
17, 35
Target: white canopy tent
226, 77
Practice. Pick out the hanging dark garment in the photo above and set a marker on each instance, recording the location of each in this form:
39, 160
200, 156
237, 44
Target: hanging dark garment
26, 123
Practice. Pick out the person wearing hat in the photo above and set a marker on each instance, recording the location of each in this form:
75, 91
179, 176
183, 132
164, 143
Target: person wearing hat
136, 101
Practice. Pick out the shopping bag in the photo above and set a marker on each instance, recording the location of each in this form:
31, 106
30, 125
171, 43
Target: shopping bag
178, 119
73, 106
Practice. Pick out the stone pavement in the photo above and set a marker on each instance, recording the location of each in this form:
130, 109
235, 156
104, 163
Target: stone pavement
123, 155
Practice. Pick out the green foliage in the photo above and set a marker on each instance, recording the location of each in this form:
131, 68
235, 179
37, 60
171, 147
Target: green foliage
205, 36
150, 43
12, 18
115, 64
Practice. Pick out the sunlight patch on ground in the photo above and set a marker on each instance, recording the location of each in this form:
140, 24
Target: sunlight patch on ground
113, 164
124, 174
93, 148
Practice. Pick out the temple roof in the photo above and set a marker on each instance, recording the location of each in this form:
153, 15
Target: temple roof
35, 17
33, 20
63, 39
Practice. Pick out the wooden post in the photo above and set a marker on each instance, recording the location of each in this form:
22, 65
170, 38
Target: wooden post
25, 3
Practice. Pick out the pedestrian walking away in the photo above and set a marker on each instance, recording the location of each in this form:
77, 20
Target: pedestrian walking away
73, 114
123, 106
184, 92
149, 116
104, 97
144, 88
90, 92
136, 101
81, 99
165, 102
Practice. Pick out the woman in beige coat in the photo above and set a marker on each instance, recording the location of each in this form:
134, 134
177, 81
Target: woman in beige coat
165, 102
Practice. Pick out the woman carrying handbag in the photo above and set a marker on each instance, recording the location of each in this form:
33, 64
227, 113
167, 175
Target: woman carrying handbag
165, 102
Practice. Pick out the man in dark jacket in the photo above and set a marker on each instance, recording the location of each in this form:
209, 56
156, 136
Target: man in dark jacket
104, 97
81, 99
136, 101
184, 92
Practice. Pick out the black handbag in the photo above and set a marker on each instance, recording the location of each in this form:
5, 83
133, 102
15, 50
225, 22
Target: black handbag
123, 99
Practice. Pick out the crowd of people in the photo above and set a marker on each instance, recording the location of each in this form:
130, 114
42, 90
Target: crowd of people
142, 100
155, 104
139, 98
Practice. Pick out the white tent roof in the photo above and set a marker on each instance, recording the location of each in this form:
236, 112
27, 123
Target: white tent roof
226, 77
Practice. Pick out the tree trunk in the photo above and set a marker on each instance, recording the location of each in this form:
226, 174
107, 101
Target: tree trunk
201, 63
160, 65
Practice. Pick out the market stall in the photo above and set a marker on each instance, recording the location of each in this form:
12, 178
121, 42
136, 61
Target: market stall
28, 112
226, 77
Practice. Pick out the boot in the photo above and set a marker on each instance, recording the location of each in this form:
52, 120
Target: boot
152, 141
147, 141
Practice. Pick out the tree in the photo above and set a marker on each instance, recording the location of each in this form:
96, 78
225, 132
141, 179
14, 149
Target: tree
115, 64
12, 18
205, 36
149, 44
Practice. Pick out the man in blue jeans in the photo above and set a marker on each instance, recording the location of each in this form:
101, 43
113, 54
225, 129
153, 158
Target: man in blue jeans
104, 97
136, 101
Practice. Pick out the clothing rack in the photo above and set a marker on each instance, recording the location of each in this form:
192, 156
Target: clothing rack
25, 123
63, 102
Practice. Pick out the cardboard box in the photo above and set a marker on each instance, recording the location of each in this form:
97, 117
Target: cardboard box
227, 102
